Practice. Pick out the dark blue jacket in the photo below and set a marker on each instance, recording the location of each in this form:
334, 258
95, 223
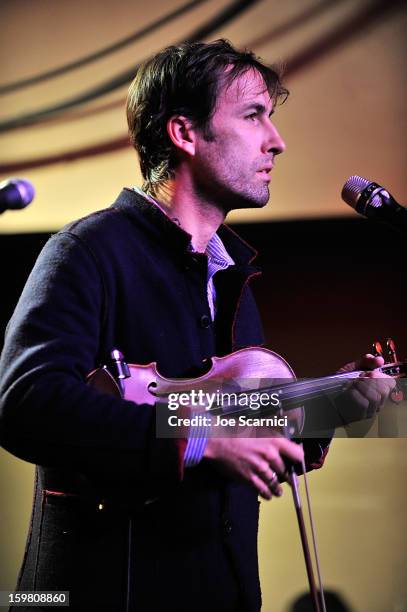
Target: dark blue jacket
124, 278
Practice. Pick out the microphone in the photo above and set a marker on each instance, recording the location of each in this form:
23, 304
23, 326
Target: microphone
374, 202
15, 193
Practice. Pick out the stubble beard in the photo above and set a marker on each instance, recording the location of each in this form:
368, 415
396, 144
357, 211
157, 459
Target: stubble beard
232, 186
240, 193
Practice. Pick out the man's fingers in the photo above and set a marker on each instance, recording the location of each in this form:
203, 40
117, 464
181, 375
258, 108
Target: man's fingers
274, 460
270, 478
279, 455
258, 461
275, 486
268, 465
261, 487
367, 399
369, 389
267, 489
368, 393
376, 386
366, 396
369, 362
289, 449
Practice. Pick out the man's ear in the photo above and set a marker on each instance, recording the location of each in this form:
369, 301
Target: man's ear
182, 133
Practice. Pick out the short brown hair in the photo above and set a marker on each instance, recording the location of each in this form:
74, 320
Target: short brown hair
184, 80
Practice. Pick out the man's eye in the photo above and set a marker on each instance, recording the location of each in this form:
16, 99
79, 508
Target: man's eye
252, 116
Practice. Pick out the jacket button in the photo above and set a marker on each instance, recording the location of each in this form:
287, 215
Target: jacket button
227, 526
205, 321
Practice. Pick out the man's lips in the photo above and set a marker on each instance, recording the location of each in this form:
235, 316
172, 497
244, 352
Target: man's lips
264, 173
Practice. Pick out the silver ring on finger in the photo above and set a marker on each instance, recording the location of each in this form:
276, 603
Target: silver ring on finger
273, 480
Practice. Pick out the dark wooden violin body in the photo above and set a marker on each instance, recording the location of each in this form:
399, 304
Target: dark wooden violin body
250, 372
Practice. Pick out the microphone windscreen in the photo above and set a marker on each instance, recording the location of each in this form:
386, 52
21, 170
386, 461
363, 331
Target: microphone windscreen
26, 190
353, 188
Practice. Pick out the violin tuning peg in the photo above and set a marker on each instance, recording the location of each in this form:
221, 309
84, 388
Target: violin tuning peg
377, 349
391, 349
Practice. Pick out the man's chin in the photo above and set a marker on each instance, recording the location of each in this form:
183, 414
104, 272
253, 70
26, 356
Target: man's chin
253, 200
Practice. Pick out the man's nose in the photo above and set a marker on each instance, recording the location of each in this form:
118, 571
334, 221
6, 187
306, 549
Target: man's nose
274, 143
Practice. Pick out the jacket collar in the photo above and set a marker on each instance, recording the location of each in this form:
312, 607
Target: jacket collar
140, 210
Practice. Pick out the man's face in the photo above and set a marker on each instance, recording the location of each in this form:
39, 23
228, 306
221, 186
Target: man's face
233, 169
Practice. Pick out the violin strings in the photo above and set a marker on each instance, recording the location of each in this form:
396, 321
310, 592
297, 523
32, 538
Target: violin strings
289, 395
293, 391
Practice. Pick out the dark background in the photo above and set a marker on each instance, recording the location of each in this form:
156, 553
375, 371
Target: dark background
329, 287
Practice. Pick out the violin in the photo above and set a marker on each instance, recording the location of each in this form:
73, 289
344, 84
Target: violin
249, 373
244, 377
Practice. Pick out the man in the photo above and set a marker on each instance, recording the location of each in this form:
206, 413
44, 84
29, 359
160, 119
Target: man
122, 519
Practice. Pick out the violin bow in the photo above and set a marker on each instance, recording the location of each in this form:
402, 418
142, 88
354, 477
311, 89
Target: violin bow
318, 599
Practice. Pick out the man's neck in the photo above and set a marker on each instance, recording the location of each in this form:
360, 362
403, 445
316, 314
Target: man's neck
197, 217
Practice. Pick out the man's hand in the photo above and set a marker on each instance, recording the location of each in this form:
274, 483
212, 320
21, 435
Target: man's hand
367, 394
258, 461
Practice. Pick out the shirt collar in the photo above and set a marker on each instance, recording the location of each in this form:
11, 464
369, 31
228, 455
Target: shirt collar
139, 210
215, 250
